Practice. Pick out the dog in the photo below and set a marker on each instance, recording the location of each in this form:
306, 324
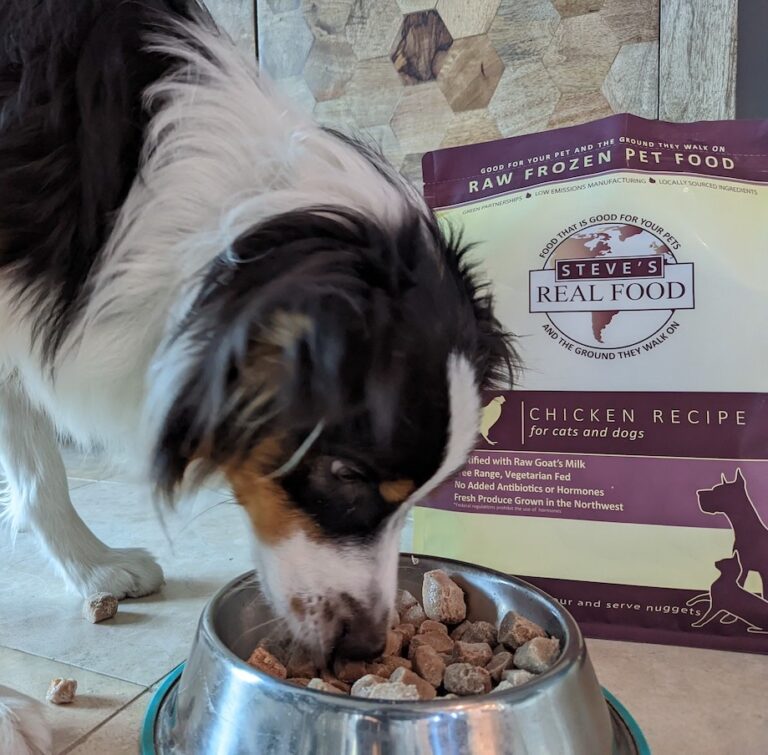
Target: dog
750, 535
198, 278
730, 602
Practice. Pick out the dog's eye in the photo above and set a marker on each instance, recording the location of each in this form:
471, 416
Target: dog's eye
346, 472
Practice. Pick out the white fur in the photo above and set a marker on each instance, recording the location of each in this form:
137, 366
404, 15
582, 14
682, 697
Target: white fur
317, 572
223, 152
464, 422
23, 728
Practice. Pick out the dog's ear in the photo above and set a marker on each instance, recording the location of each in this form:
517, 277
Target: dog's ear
739, 477
274, 343
495, 356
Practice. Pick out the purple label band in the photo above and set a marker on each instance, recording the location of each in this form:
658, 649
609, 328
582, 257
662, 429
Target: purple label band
725, 617
627, 490
615, 267
724, 149
678, 425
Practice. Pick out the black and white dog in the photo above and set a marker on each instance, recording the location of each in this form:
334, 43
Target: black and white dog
195, 275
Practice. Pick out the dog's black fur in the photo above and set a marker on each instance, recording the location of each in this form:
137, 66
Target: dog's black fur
72, 120
362, 367
385, 307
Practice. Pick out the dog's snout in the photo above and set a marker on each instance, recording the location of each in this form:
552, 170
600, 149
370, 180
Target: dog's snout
363, 632
361, 640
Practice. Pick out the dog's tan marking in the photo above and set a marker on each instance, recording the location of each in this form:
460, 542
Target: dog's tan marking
264, 499
286, 328
298, 608
396, 491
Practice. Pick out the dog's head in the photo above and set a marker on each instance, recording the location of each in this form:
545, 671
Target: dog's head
332, 369
719, 499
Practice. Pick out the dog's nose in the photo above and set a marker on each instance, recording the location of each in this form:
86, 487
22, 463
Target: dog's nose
362, 639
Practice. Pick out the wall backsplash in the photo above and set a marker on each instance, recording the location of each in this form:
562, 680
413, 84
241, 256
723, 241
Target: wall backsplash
417, 75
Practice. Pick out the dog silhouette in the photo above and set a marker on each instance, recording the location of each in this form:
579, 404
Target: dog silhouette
750, 535
730, 602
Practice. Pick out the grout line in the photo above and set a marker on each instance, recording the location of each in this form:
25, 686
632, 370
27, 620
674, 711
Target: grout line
147, 689
83, 668
81, 740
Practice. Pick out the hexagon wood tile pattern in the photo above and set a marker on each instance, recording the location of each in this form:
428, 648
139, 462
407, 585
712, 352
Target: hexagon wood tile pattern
280, 6
525, 99
471, 127
296, 90
414, 75
523, 29
632, 20
629, 84
469, 73
420, 42
372, 27
574, 108
383, 137
467, 19
409, 6
368, 99
329, 16
421, 118
330, 65
284, 43
581, 53
569, 8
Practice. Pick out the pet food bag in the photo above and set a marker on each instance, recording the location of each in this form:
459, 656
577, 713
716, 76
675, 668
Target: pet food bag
626, 474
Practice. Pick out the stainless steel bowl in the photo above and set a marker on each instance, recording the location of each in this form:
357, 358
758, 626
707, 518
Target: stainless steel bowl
221, 705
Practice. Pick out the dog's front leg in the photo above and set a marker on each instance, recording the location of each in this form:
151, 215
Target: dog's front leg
39, 501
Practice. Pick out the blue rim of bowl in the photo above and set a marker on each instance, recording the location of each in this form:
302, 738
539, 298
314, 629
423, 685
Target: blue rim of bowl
147, 743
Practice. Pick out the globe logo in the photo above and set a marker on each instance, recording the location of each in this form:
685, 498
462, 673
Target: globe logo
611, 286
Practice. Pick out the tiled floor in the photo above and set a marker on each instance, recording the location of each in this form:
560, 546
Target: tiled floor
42, 633
686, 700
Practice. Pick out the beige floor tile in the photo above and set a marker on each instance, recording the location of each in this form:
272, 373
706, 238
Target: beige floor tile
688, 700
98, 696
118, 736
92, 467
210, 544
75, 483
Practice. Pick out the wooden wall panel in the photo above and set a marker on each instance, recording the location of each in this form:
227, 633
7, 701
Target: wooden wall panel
698, 60
420, 74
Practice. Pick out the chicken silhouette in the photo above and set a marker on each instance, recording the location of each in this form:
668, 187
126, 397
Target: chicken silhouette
490, 416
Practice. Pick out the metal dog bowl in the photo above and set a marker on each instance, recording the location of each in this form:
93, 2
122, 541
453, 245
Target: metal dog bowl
221, 705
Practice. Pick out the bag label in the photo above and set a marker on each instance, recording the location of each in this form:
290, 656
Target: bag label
627, 473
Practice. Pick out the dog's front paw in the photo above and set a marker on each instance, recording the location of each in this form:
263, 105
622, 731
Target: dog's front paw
124, 573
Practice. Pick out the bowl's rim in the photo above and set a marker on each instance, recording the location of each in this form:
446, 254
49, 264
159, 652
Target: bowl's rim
573, 652
161, 694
